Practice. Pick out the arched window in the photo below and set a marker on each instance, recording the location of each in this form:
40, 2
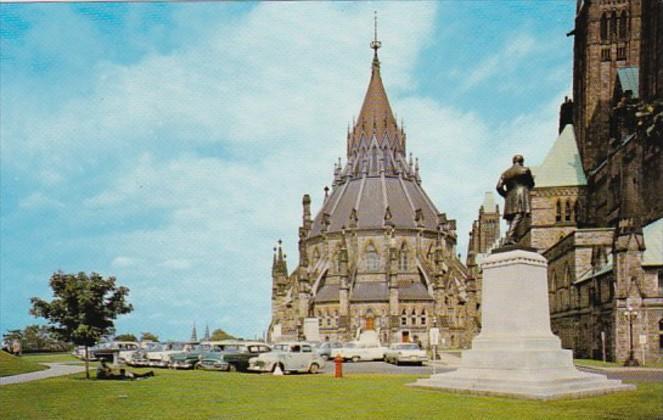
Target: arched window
558, 211
613, 26
372, 259
623, 26
336, 318
328, 318
567, 210
413, 317
402, 262
316, 255
604, 27
423, 317
403, 318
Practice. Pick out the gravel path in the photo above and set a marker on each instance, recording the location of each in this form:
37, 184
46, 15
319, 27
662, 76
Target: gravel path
55, 369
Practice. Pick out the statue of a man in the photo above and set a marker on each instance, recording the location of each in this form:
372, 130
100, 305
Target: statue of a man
514, 185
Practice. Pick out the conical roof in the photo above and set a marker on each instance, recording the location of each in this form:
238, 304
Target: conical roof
562, 165
378, 186
376, 118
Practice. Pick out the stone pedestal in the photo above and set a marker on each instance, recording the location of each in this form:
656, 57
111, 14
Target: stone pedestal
516, 354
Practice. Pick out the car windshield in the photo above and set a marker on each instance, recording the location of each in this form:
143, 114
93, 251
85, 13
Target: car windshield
406, 347
280, 347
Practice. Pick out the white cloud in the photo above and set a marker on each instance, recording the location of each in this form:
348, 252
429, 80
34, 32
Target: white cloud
39, 200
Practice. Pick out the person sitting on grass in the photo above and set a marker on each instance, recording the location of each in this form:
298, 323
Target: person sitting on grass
105, 372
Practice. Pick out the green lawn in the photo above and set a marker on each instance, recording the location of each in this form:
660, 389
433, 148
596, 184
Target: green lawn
199, 394
51, 358
600, 363
12, 365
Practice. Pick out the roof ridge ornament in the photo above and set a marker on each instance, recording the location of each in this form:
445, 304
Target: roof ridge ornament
375, 44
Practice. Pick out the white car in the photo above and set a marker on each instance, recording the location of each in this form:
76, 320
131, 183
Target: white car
290, 357
160, 356
405, 353
358, 350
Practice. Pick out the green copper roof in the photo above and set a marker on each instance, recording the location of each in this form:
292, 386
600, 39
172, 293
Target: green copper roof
562, 165
653, 234
629, 79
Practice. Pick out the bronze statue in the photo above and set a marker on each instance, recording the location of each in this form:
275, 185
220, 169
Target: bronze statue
514, 185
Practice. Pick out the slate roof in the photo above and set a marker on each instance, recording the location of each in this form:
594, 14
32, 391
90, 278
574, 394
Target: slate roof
414, 291
653, 234
373, 291
629, 79
327, 293
562, 165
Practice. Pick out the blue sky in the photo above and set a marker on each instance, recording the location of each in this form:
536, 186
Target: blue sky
169, 144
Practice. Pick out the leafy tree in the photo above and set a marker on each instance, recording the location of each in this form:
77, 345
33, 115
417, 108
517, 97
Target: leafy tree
219, 334
148, 336
83, 308
40, 338
125, 337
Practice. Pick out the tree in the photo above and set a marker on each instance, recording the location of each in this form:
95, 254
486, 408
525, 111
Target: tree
40, 338
219, 334
83, 308
125, 337
148, 336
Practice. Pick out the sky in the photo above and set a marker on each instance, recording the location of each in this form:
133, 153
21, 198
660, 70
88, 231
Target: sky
169, 145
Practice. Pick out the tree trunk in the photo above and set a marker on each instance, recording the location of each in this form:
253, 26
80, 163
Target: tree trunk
87, 364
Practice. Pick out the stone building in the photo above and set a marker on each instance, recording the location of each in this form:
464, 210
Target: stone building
378, 255
597, 207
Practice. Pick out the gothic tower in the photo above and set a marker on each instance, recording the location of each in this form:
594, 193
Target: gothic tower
607, 37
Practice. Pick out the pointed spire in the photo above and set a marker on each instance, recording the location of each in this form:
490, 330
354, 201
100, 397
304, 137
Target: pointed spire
376, 109
194, 334
207, 336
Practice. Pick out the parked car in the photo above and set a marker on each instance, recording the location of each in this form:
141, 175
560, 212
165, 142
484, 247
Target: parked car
239, 360
290, 357
329, 349
405, 353
212, 358
105, 351
357, 350
139, 357
189, 358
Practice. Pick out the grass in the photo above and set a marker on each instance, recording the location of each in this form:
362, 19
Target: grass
51, 358
12, 365
200, 394
600, 363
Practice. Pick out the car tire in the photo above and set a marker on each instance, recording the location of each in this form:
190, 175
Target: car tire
355, 359
232, 368
314, 368
197, 366
325, 357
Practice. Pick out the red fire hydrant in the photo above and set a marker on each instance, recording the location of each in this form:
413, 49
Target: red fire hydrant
338, 363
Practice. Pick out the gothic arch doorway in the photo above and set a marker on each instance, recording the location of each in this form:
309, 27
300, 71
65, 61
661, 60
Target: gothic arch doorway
369, 321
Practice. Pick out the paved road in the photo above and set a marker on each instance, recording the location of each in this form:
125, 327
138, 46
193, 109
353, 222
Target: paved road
386, 368
55, 369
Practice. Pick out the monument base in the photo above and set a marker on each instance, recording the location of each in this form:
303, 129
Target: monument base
516, 354
548, 381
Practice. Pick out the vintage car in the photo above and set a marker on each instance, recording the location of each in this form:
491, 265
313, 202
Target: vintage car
157, 354
234, 356
290, 357
105, 351
405, 353
139, 357
238, 360
189, 358
329, 349
357, 350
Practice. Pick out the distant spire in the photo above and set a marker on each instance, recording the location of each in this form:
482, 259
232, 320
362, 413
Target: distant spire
194, 334
206, 337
